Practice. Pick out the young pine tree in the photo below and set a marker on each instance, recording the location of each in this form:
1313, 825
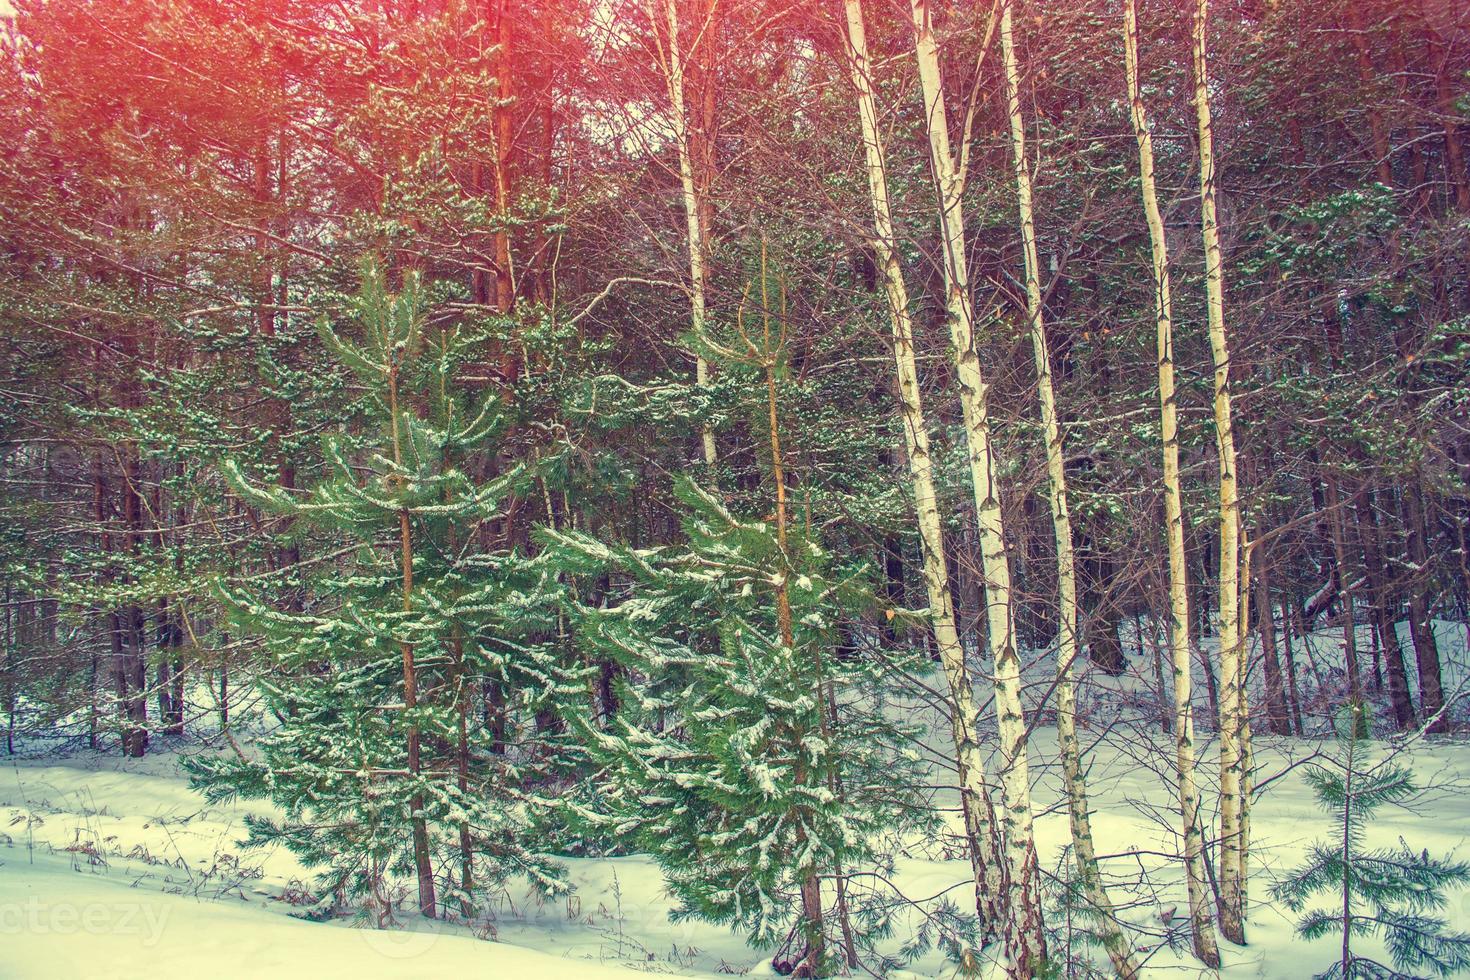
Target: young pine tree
750, 760
383, 768
728, 762
1391, 893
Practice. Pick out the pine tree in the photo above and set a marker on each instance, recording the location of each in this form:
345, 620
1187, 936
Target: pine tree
1391, 893
378, 761
749, 759
745, 764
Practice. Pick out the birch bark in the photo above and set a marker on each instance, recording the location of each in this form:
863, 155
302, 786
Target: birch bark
1119, 950
1184, 758
989, 882
673, 72
1024, 934
1234, 754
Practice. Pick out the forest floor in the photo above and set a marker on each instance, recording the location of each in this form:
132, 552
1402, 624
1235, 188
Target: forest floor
114, 868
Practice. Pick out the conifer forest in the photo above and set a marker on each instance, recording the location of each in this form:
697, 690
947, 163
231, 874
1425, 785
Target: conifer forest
813, 488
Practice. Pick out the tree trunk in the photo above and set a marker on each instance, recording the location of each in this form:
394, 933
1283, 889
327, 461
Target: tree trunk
811, 885
462, 779
974, 803
1385, 615
224, 684
1234, 710
1421, 613
893, 585
1367, 73
1277, 716
9, 674
673, 72
1184, 756
1104, 646
1025, 935
505, 78
423, 859
1293, 696
1342, 574
133, 666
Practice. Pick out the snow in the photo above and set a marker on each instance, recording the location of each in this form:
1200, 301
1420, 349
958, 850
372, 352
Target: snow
61, 922
115, 868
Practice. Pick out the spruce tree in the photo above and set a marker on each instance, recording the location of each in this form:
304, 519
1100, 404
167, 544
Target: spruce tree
382, 767
1392, 893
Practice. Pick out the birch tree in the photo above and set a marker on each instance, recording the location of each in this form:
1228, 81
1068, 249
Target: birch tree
1234, 752
671, 66
949, 180
974, 803
1202, 929
1117, 945
1025, 941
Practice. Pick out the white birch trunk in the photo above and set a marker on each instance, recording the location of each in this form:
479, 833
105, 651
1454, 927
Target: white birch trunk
1233, 753
989, 881
1194, 863
1120, 952
673, 71
1025, 941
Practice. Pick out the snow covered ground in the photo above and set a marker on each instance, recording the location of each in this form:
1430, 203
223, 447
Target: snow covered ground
113, 868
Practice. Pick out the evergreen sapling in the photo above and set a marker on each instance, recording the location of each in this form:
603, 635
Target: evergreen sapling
383, 770
1391, 893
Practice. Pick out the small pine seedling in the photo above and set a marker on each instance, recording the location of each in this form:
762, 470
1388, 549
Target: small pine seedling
1394, 893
